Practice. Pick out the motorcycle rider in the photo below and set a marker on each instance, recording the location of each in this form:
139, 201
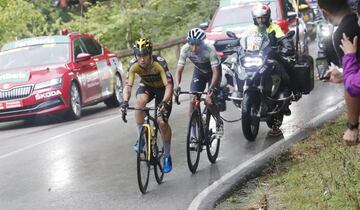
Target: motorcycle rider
206, 71
261, 14
156, 82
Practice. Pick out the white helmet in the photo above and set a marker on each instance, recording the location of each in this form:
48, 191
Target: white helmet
196, 36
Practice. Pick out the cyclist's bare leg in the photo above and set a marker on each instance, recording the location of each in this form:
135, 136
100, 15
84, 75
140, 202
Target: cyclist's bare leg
165, 131
141, 101
212, 108
191, 108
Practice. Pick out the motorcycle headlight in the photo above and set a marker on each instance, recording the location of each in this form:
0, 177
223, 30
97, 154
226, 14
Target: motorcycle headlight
252, 61
50, 83
241, 73
325, 31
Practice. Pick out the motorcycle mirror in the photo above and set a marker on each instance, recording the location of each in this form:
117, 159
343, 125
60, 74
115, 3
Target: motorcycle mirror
231, 34
272, 37
290, 34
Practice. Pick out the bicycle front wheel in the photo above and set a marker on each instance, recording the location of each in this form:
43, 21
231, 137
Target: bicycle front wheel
193, 142
158, 167
143, 164
212, 140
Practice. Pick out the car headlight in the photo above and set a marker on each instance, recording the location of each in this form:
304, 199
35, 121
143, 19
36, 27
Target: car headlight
50, 83
252, 61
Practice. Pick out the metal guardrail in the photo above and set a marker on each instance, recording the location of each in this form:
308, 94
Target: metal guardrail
157, 47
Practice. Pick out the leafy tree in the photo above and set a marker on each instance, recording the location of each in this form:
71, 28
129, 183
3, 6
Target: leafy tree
20, 19
120, 23
116, 23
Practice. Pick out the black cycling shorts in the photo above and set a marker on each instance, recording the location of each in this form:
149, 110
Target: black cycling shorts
199, 80
157, 93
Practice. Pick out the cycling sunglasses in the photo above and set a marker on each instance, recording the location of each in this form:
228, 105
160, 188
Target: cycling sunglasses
193, 41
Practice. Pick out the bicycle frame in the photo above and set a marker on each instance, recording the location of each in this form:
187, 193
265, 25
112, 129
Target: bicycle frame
152, 126
204, 137
197, 104
150, 154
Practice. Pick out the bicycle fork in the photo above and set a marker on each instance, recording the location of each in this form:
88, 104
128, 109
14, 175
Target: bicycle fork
150, 142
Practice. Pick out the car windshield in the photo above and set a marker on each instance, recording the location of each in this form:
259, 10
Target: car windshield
239, 15
35, 55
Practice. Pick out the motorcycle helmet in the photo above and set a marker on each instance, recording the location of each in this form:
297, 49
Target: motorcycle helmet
142, 46
195, 36
261, 10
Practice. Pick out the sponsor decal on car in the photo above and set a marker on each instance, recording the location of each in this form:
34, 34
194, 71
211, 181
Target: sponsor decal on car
18, 76
47, 94
116, 65
10, 104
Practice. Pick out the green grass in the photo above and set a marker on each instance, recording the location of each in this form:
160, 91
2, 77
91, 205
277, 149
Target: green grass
318, 173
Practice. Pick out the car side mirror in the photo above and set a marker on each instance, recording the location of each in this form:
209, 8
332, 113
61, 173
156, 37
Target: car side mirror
291, 15
83, 57
231, 34
204, 26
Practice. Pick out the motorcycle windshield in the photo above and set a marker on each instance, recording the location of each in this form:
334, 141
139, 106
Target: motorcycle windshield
255, 41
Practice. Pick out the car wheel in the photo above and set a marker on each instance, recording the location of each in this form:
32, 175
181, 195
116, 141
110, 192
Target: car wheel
74, 112
116, 99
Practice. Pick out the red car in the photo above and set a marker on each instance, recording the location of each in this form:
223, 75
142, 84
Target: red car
51, 74
235, 16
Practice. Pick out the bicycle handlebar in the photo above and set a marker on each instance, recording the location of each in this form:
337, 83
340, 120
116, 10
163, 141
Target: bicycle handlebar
145, 109
197, 93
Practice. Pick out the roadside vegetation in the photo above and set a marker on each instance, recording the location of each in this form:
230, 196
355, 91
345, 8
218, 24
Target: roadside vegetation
318, 173
116, 23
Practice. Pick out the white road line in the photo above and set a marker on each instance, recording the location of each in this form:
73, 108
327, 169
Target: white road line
202, 195
54, 138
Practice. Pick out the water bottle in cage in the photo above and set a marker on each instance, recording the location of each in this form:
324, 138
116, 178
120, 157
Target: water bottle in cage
212, 124
203, 117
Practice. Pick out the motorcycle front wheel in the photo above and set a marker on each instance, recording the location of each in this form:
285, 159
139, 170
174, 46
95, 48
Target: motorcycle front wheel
250, 120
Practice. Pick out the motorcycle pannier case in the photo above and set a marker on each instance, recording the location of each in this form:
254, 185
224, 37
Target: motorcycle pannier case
304, 74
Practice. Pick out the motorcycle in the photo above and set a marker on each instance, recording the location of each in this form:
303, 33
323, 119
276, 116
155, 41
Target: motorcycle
256, 82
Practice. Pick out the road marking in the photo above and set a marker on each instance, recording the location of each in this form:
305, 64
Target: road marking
194, 205
54, 137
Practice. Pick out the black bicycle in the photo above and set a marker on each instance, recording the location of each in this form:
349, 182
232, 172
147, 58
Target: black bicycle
201, 132
150, 151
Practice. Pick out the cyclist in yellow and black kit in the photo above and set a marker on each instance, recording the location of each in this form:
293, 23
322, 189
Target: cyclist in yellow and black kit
156, 82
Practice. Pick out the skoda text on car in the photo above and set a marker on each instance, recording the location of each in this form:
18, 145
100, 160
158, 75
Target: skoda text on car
51, 74
235, 16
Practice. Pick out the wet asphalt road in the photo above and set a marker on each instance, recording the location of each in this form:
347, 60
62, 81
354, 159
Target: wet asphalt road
89, 163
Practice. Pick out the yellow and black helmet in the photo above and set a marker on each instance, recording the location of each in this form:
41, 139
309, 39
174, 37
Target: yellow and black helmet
142, 46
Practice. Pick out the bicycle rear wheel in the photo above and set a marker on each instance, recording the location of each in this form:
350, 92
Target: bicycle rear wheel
143, 165
193, 142
158, 167
212, 141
